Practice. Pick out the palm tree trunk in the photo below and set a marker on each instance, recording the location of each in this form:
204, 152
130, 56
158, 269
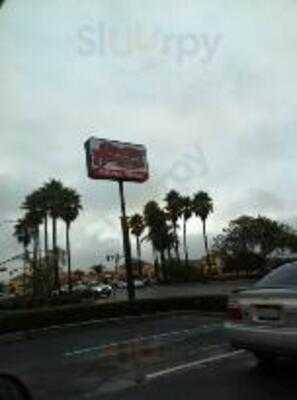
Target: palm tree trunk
38, 262
39, 248
204, 236
156, 265
163, 266
34, 263
176, 244
68, 249
46, 238
185, 243
25, 260
139, 255
206, 244
55, 255
169, 253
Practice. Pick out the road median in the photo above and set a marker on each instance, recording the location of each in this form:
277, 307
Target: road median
74, 315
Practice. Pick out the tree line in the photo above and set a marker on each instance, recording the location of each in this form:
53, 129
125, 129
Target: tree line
247, 243
53, 201
162, 227
250, 243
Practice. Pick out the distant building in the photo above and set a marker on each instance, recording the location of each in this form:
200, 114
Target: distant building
215, 267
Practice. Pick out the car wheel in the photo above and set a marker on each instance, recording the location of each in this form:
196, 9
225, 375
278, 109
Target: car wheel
264, 357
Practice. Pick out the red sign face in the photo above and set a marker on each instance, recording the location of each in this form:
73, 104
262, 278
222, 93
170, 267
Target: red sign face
114, 160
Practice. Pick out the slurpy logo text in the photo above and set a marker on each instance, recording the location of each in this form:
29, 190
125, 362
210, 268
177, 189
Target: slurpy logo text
100, 39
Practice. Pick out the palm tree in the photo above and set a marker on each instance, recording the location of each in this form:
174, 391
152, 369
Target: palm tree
54, 192
23, 236
202, 207
156, 221
69, 213
57, 202
44, 207
151, 213
36, 202
170, 240
187, 210
174, 210
136, 224
33, 219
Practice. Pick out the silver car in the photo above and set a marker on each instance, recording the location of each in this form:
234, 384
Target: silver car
100, 290
263, 318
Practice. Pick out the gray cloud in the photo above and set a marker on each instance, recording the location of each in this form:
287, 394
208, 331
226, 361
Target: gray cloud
256, 201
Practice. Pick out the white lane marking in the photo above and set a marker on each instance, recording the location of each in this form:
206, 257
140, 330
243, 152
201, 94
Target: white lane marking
139, 340
83, 351
192, 364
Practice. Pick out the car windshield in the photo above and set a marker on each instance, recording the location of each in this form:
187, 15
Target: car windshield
282, 277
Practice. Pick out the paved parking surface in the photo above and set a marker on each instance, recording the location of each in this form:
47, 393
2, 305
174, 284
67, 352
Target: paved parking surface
184, 289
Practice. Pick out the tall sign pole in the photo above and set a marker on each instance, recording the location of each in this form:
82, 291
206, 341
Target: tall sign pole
120, 162
126, 244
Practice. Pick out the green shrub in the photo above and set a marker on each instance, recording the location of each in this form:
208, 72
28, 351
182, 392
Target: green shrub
19, 303
44, 317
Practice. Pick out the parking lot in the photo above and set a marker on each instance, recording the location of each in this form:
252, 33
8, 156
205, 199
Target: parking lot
183, 289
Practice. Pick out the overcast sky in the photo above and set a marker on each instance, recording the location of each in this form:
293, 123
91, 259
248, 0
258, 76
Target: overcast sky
209, 87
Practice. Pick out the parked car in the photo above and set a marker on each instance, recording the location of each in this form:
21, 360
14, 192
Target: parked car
100, 290
263, 318
139, 284
82, 289
121, 285
64, 289
150, 281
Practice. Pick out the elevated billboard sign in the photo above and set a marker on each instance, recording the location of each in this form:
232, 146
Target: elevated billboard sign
118, 161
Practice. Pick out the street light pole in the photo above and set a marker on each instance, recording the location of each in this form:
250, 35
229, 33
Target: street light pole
126, 245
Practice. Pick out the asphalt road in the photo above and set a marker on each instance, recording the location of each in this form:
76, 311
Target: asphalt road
78, 362
234, 377
180, 357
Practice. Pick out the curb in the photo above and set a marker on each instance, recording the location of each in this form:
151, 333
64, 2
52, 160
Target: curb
118, 321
